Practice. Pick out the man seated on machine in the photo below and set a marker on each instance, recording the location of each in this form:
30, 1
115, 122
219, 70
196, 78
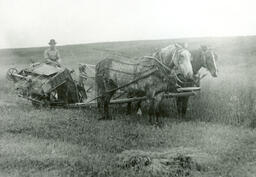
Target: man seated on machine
52, 55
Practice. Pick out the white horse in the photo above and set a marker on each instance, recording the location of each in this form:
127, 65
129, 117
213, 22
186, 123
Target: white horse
151, 76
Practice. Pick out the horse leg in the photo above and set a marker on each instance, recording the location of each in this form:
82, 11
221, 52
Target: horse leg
101, 107
99, 104
106, 106
179, 104
158, 101
150, 111
184, 106
150, 119
137, 107
129, 108
129, 105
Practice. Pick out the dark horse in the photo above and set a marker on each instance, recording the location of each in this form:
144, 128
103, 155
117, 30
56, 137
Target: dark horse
201, 58
151, 76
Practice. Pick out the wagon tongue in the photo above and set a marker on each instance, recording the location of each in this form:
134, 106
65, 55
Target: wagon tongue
188, 89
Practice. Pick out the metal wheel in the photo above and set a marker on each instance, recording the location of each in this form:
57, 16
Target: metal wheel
10, 73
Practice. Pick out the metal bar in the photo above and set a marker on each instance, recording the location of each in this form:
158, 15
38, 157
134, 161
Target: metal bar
80, 105
87, 64
182, 94
128, 100
185, 89
19, 76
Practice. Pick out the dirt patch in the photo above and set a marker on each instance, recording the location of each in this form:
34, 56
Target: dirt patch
174, 162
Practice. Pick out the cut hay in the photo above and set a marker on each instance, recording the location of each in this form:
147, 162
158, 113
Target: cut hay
174, 162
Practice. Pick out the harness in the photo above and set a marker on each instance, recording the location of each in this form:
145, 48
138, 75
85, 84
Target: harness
163, 67
173, 65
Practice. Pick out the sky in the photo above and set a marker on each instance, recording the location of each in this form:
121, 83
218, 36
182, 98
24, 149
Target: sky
32, 23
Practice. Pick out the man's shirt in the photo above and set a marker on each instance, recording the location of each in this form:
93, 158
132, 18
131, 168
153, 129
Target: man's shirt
52, 54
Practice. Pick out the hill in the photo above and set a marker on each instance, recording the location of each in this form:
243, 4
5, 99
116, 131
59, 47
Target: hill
231, 50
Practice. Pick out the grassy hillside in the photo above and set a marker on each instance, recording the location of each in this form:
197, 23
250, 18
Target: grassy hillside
232, 50
218, 132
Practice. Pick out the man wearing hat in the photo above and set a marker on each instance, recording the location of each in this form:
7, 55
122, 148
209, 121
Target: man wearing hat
51, 54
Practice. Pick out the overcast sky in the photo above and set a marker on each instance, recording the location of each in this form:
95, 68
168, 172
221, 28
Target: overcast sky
28, 23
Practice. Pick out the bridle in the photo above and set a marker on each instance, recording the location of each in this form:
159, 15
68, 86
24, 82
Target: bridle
169, 69
203, 57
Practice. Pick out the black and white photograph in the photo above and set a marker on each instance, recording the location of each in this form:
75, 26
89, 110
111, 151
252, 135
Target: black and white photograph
127, 88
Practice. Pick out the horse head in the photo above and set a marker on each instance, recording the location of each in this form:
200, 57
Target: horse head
182, 60
209, 58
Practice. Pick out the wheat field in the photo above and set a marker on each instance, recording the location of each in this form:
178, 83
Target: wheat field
62, 142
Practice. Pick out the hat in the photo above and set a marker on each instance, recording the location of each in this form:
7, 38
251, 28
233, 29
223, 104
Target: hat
52, 41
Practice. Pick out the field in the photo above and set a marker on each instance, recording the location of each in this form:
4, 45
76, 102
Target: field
218, 131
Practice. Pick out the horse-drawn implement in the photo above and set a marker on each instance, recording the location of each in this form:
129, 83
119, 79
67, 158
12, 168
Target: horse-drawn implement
46, 85
49, 86
169, 73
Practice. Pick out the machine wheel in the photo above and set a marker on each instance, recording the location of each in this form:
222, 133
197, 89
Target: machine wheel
10, 73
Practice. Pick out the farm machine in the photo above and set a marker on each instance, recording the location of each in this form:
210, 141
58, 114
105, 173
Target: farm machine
50, 86
46, 85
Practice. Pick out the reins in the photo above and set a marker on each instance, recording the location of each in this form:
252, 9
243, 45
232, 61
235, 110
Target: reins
125, 85
165, 68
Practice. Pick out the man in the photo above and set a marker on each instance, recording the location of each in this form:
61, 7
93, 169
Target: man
51, 54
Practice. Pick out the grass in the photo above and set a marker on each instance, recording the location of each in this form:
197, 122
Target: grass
59, 142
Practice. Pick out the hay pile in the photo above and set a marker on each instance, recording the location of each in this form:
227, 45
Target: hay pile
174, 162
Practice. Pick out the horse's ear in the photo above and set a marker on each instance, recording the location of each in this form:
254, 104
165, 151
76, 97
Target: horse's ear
178, 46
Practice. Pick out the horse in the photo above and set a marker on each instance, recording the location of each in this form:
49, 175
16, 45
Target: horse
204, 57
152, 76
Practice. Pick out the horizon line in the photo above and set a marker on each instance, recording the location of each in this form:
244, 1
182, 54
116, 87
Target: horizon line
116, 41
